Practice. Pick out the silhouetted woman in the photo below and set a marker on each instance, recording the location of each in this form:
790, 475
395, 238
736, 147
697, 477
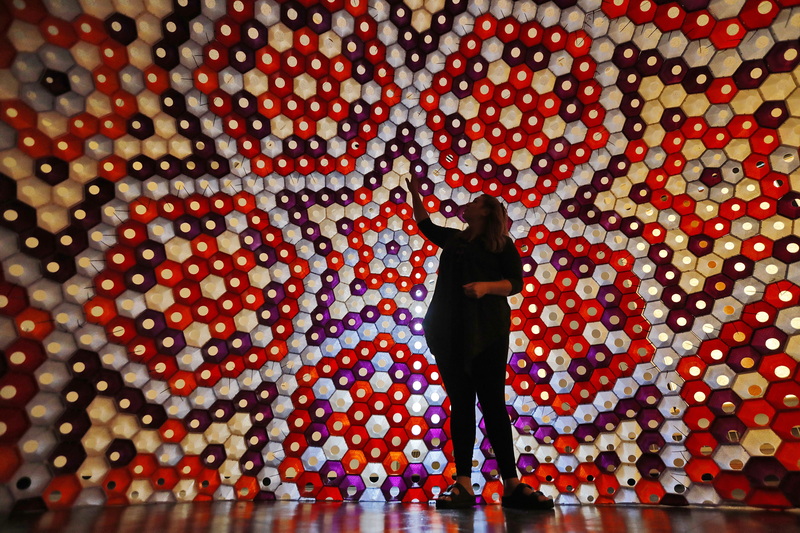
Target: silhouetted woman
467, 329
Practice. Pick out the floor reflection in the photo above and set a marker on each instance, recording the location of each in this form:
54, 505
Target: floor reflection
297, 517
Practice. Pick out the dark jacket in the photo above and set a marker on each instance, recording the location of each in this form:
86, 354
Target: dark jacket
457, 326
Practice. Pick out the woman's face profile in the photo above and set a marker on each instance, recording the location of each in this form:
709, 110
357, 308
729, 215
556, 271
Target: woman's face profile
474, 210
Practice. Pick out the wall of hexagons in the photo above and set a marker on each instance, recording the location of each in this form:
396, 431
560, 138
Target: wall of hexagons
212, 287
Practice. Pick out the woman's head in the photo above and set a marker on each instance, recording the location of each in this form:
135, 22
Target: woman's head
487, 213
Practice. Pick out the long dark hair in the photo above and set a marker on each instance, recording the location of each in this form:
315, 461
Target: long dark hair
495, 226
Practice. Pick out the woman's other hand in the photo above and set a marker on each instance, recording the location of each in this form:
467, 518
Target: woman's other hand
476, 289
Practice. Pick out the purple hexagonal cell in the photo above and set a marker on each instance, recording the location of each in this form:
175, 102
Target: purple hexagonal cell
150, 323
435, 416
526, 425
477, 67
417, 383
527, 463
245, 400
256, 438
650, 466
213, 456
607, 461
352, 321
120, 452
343, 379
542, 164
318, 19
254, 35
580, 369
261, 415
650, 418
399, 373
266, 392
561, 260
571, 109
345, 226
784, 56
435, 438
197, 420
214, 351
697, 80
540, 372
212, 224
393, 488
363, 70
787, 249
194, 166
631, 105
724, 402
667, 275
546, 434
462, 86
627, 408
77, 420
130, 400
738, 267
251, 462
673, 70
320, 410
586, 432
728, 429
352, 487
650, 441
769, 340
651, 63
268, 314
766, 472
743, 358
629, 80
70, 455
81, 392
789, 205
680, 320
718, 286
583, 267
222, 410
186, 227
345, 197
363, 370
537, 57
334, 328
140, 279
415, 475
751, 74
625, 55
370, 313
450, 208
250, 239
166, 55
332, 473
315, 335
84, 364
169, 167
634, 128
316, 434
609, 296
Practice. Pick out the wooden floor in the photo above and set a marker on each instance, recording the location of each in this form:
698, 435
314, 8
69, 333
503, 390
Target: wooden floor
296, 517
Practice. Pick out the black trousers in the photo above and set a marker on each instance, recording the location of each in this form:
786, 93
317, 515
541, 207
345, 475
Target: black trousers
483, 378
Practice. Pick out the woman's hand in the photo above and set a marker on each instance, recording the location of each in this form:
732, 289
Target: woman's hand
412, 183
476, 289
479, 289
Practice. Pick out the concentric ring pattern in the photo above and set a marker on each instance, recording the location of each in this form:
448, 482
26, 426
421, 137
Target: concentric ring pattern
213, 288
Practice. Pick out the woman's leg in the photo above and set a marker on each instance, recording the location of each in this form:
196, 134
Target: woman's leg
461, 392
489, 371
490, 368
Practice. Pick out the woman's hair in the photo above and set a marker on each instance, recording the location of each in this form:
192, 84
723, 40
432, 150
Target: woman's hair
495, 227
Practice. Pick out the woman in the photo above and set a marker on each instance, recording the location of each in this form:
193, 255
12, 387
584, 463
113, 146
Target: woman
467, 328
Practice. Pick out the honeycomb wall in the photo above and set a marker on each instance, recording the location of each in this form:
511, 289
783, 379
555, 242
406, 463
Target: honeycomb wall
212, 286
